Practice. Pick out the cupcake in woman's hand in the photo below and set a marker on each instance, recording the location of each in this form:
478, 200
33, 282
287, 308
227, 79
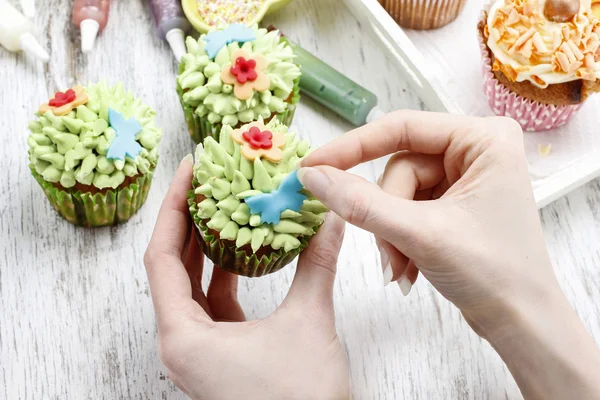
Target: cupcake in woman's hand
93, 150
234, 76
540, 59
251, 212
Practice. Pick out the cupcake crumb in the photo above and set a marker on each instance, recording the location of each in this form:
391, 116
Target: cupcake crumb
544, 150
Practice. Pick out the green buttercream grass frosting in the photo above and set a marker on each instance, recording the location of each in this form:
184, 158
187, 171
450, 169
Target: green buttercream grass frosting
226, 178
205, 92
72, 149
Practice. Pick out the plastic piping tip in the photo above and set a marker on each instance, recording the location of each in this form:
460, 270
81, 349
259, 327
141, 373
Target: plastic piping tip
89, 31
28, 7
374, 114
176, 39
30, 45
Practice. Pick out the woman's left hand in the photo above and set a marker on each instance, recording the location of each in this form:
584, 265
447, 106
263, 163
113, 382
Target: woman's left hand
294, 353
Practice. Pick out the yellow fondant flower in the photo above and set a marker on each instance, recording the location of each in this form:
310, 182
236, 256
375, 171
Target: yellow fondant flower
246, 74
259, 142
63, 103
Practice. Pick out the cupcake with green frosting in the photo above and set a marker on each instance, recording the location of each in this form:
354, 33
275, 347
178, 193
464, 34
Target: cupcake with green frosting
251, 212
93, 150
235, 76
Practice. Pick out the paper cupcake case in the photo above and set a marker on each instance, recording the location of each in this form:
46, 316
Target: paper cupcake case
100, 209
531, 115
228, 257
200, 128
423, 14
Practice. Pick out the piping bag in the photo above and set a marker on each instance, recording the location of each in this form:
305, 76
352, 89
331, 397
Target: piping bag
171, 24
91, 16
340, 94
16, 33
318, 80
333, 90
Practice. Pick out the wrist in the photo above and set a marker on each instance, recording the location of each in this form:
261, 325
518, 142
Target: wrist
497, 319
520, 313
544, 344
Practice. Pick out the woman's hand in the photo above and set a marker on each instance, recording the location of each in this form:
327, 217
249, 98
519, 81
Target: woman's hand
455, 203
293, 354
480, 241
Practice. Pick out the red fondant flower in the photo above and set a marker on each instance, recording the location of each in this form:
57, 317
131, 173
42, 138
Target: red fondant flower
246, 73
60, 98
258, 142
258, 139
243, 70
63, 103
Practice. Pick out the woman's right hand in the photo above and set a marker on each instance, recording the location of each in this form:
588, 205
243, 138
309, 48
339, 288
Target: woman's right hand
455, 203
478, 239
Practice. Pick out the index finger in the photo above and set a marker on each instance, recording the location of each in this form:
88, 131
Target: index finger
418, 131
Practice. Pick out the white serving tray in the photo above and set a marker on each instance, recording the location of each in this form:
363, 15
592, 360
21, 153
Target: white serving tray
444, 69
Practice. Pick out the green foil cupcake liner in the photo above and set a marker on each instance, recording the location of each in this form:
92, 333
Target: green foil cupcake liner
225, 255
200, 128
93, 210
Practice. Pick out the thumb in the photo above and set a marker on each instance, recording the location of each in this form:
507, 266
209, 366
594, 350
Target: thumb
364, 204
317, 265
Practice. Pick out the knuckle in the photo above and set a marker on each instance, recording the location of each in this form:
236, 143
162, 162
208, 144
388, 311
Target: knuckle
153, 259
357, 207
322, 256
507, 129
439, 230
398, 116
510, 151
503, 124
169, 353
430, 246
506, 138
149, 256
510, 126
177, 354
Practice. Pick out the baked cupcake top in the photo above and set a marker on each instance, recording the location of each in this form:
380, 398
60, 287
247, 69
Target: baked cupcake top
246, 187
98, 135
544, 41
237, 74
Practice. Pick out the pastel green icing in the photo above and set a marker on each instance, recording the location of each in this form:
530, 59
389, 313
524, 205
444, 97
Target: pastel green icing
225, 178
200, 80
72, 148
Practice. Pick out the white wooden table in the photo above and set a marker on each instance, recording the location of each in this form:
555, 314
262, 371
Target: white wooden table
76, 319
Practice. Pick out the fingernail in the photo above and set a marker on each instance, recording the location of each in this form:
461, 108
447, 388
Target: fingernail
405, 285
189, 158
314, 180
387, 274
386, 266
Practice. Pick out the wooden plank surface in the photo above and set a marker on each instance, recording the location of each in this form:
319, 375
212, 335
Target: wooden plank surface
76, 319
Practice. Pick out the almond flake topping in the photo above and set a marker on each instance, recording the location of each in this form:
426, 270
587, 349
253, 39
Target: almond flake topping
520, 27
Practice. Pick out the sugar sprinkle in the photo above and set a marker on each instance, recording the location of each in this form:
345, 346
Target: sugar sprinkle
219, 13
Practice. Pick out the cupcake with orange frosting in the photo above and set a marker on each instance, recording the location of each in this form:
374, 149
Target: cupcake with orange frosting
541, 59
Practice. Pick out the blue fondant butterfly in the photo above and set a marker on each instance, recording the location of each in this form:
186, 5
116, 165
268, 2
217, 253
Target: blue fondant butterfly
215, 40
124, 143
271, 205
